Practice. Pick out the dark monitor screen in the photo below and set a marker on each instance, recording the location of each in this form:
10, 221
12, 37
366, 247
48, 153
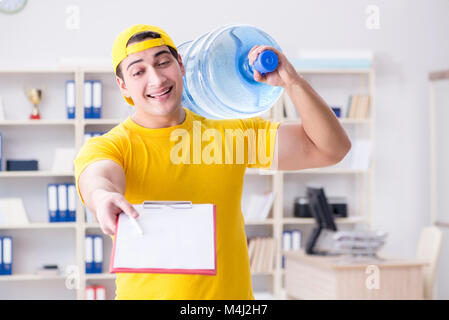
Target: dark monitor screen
320, 208
323, 215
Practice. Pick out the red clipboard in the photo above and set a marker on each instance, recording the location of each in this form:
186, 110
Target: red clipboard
168, 244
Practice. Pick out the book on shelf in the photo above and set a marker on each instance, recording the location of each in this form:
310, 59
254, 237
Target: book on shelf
261, 251
262, 255
253, 243
257, 253
291, 113
268, 264
358, 106
12, 212
251, 250
269, 256
291, 240
259, 206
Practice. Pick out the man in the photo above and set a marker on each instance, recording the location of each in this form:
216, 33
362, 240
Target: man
134, 162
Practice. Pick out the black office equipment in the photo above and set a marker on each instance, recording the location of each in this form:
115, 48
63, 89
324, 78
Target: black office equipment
322, 213
21, 165
338, 207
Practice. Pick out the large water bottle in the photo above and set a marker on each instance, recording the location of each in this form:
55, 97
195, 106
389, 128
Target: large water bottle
219, 82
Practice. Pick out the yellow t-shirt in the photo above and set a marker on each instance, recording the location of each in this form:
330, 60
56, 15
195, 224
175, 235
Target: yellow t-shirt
191, 161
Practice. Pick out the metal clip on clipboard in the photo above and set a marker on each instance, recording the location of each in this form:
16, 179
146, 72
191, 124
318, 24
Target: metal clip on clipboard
171, 204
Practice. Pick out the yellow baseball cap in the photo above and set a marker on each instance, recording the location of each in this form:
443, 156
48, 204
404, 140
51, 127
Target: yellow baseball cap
120, 51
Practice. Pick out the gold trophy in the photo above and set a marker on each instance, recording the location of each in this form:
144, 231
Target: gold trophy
35, 96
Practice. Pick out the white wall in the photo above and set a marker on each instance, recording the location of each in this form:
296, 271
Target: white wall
411, 41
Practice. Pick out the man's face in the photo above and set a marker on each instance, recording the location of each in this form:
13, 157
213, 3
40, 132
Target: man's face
153, 79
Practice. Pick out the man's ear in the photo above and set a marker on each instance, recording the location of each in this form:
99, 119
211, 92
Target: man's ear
122, 85
181, 65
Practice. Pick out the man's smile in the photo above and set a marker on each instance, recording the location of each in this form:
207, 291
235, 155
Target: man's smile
161, 93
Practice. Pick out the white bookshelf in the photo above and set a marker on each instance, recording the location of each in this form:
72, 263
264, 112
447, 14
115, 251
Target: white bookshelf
361, 182
68, 238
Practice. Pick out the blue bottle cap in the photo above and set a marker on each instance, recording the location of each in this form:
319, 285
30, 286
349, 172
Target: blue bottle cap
267, 61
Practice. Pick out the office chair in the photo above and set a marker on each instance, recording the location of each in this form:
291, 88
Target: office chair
429, 247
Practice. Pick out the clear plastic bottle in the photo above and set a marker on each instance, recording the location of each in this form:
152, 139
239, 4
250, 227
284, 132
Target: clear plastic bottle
219, 82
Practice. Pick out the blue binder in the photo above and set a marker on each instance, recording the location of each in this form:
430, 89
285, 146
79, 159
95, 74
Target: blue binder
89, 254
1, 256
62, 211
71, 202
1, 152
52, 202
70, 98
6, 256
88, 99
286, 245
97, 100
98, 253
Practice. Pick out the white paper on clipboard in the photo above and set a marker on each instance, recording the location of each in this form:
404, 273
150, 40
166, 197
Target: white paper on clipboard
178, 237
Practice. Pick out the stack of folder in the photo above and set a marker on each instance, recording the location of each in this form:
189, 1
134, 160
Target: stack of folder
359, 242
5, 255
359, 106
261, 253
92, 99
70, 98
259, 206
94, 253
61, 202
291, 240
95, 293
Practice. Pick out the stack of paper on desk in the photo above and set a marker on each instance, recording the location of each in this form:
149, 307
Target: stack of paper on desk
360, 242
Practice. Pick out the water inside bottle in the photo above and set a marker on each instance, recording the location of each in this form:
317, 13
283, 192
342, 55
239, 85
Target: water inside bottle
219, 82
